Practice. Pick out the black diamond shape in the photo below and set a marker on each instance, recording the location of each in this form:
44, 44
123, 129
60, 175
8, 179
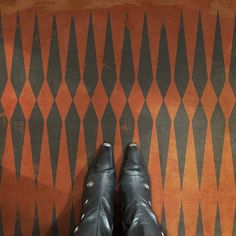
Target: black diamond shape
199, 133
218, 131
36, 228
3, 132
232, 130
54, 227
218, 66
232, 71
18, 67
145, 131
90, 123
36, 75
217, 223
126, 126
163, 221
145, 65
72, 124
199, 230
181, 76
109, 67
163, 125
54, 76
72, 221
181, 228
127, 68
181, 123
109, 124
17, 224
72, 76
3, 68
199, 66
36, 124
163, 73
54, 125
18, 123
90, 69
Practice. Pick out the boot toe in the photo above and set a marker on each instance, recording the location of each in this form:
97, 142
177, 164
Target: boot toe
133, 155
104, 159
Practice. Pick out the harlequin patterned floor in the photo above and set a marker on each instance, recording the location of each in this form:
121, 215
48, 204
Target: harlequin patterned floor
164, 77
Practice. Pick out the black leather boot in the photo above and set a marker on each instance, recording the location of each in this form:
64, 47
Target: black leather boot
99, 196
138, 217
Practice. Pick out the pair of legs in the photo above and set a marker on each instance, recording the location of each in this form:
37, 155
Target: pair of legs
99, 196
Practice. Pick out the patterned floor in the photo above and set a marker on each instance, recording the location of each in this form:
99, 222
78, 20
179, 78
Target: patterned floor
164, 77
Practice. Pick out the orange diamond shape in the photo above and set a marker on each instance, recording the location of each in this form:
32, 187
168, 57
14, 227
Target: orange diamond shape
118, 99
9, 99
209, 99
63, 99
190, 99
27, 99
154, 99
136, 99
45, 99
172, 99
227, 99
99, 99
81, 99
